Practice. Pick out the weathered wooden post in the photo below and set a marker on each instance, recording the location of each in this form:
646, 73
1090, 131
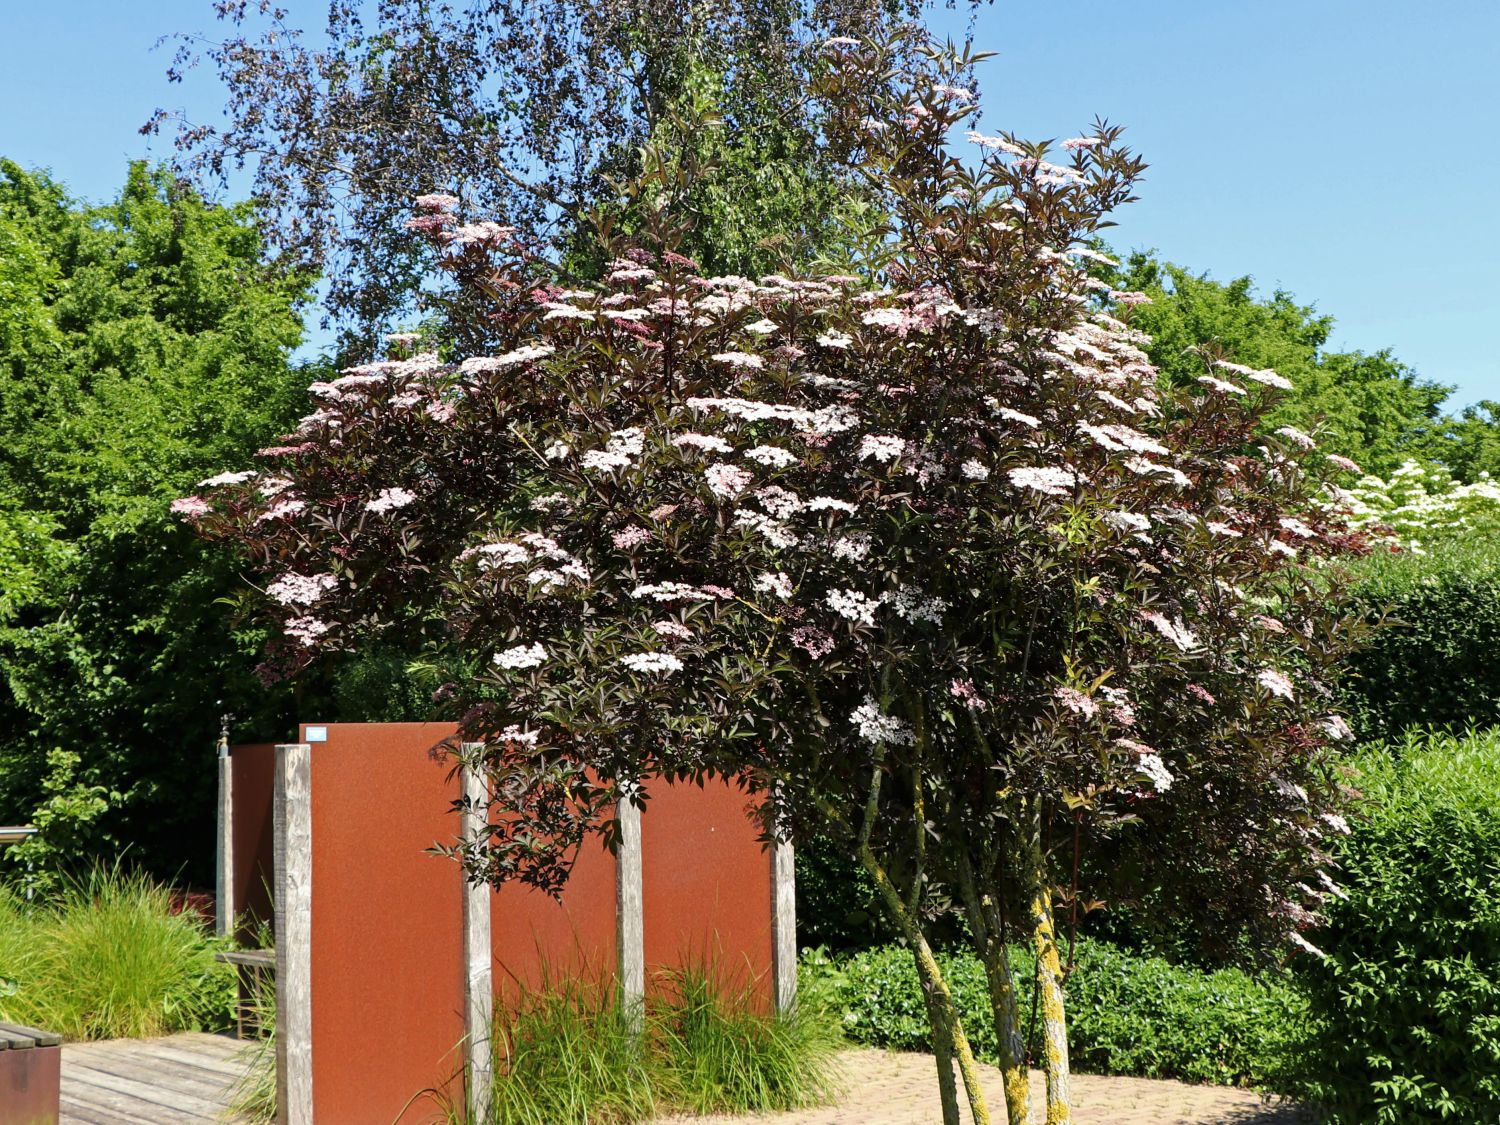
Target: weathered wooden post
784, 926
630, 914
479, 989
292, 827
224, 849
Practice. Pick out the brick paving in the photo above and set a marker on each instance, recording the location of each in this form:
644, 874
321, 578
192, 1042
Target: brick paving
892, 1088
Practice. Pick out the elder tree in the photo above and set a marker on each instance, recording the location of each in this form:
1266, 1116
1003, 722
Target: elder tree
922, 550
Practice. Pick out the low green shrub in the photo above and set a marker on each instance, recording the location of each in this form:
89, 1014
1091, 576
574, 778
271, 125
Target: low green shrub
108, 956
1127, 1013
1406, 1007
1433, 665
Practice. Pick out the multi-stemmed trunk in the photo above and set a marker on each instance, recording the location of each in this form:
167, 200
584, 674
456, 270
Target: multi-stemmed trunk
950, 1043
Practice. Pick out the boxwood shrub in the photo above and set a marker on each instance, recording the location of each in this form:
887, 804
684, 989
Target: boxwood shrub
1434, 665
1405, 1010
1129, 1013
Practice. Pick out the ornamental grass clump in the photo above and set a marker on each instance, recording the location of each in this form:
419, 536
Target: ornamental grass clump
919, 547
570, 1053
110, 956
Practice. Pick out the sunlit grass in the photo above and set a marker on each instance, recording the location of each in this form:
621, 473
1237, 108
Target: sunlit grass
109, 956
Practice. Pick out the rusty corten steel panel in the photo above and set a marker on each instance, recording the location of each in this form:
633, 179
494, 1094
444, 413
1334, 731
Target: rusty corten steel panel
387, 963
707, 884
539, 940
29, 1081
253, 774
387, 958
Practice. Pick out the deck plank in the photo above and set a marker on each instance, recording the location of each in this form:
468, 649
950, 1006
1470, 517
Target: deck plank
178, 1080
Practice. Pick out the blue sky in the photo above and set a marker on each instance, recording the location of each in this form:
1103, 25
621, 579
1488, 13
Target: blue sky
1344, 151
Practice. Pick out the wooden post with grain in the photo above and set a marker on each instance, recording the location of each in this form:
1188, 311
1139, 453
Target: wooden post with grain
630, 914
292, 821
479, 991
784, 926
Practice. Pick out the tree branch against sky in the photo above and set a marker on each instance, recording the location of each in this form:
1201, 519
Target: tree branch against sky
522, 109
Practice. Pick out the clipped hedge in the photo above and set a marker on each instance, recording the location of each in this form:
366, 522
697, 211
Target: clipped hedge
1128, 1014
1434, 665
1405, 1011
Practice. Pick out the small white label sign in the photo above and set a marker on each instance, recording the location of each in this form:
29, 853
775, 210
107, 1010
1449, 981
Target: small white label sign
316, 734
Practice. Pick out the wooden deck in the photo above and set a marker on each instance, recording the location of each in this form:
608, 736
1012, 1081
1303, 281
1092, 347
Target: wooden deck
179, 1080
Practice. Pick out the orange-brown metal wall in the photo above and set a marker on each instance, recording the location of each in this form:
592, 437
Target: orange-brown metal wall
706, 881
253, 781
387, 956
387, 973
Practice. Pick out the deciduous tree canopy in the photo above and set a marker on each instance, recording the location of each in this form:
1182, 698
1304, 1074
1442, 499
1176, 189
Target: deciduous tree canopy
141, 343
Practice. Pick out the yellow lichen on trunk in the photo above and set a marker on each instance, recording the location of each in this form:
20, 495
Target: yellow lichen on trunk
989, 938
1049, 980
939, 992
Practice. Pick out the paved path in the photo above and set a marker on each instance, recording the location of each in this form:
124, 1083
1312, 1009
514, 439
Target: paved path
177, 1080
890, 1088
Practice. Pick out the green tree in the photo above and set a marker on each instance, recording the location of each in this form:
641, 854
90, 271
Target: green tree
1374, 408
1467, 443
141, 343
528, 111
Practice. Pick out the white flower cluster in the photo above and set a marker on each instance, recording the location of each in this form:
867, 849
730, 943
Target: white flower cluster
306, 631
881, 447
488, 364
829, 504
389, 500
852, 548
299, 589
826, 420
911, 604
727, 481
778, 584
1275, 683
227, 478
522, 656
702, 441
1123, 438
773, 531
623, 445
881, 729
1175, 631
670, 592
651, 662
1156, 771
774, 456
1128, 521
1049, 480
852, 606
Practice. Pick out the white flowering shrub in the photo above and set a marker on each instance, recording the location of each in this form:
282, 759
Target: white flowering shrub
919, 549
1422, 504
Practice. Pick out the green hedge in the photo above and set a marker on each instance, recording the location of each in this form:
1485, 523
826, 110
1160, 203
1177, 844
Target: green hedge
1434, 664
1128, 1014
1406, 1008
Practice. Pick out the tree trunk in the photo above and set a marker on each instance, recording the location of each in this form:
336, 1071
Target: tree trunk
943, 1017
942, 1044
989, 943
1049, 986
